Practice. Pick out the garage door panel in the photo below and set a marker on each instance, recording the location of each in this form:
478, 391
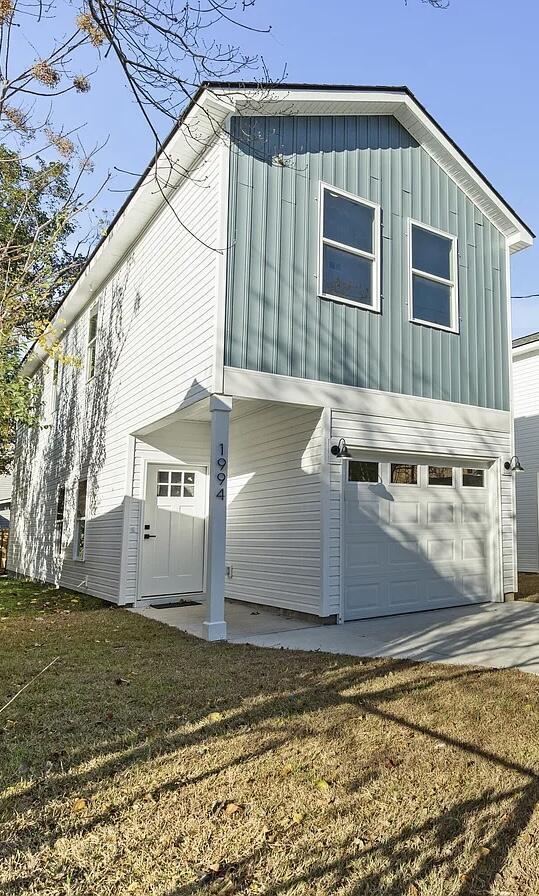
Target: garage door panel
416, 547
440, 512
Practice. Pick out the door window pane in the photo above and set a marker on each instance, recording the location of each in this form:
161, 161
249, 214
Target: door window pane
363, 471
189, 478
162, 476
189, 491
440, 476
473, 478
162, 490
347, 276
404, 474
175, 491
176, 477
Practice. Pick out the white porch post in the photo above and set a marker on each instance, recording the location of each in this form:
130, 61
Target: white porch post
214, 626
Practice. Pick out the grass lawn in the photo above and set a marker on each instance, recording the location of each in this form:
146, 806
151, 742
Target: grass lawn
147, 762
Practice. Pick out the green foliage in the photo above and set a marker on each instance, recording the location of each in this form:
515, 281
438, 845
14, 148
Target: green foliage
37, 211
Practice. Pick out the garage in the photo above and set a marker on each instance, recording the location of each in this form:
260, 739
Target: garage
418, 534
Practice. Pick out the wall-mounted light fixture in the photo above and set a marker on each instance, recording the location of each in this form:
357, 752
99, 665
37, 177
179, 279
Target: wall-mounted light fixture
340, 450
513, 465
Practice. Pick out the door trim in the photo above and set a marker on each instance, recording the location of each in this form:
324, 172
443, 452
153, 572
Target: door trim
141, 600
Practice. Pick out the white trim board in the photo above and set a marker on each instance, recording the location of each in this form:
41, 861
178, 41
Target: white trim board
294, 390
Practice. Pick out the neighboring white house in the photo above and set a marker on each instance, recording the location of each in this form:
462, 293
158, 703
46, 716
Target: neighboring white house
526, 412
5, 500
295, 387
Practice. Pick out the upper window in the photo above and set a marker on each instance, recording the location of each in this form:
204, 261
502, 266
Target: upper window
433, 277
349, 249
92, 343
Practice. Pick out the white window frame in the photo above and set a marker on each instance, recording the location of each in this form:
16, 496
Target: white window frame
453, 283
374, 256
78, 520
91, 344
59, 523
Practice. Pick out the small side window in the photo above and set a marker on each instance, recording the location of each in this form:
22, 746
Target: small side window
80, 521
91, 350
363, 471
440, 476
59, 524
473, 478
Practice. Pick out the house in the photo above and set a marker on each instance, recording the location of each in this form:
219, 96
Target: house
526, 413
295, 384
5, 500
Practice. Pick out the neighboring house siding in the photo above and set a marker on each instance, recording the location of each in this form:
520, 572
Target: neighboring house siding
156, 350
275, 321
526, 411
274, 514
393, 434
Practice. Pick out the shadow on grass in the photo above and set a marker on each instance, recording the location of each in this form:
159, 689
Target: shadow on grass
313, 684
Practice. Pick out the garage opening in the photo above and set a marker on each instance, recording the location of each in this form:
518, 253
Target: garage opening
418, 535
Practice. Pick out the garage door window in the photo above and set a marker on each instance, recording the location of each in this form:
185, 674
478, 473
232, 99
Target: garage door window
404, 474
440, 476
473, 478
363, 471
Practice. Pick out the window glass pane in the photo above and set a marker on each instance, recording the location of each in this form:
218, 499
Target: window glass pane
440, 476
404, 474
162, 491
80, 538
81, 498
91, 361
431, 253
176, 477
473, 478
61, 503
92, 326
189, 478
347, 276
189, 491
363, 471
162, 476
348, 222
175, 491
431, 301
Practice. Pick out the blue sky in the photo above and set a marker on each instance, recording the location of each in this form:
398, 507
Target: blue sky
473, 65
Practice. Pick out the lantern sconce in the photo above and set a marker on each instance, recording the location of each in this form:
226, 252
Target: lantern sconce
340, 450
514, 465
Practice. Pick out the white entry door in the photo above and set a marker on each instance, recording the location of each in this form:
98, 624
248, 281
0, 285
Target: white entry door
174, 530
417, 536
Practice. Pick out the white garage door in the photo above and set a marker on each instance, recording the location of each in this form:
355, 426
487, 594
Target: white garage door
417, 536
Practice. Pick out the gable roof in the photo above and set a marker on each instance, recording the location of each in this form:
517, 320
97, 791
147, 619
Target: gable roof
206, 114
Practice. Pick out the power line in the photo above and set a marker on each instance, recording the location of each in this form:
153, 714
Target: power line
532, 295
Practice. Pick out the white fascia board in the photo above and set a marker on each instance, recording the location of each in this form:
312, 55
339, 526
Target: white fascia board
530, 348
413, 118
192, 138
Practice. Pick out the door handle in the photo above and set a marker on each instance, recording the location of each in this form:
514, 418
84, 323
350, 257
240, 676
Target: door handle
147, 535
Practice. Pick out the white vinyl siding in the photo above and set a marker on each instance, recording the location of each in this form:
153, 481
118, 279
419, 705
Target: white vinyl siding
390, 434
274, 514
157, 334
526, 410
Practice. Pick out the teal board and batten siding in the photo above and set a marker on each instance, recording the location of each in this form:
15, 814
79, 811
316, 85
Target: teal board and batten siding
275, 321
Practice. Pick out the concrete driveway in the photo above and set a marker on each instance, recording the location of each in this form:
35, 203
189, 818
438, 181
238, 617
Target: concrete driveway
493, 635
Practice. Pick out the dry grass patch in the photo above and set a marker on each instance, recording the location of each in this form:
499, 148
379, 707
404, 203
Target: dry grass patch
147, 762
528, 587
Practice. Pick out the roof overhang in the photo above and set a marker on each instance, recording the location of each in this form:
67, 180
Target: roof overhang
203, 120
526, 345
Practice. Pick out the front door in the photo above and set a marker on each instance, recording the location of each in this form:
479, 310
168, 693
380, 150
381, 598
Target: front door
174, 530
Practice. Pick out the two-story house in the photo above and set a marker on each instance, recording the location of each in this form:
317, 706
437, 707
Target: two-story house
295, 387
526, 416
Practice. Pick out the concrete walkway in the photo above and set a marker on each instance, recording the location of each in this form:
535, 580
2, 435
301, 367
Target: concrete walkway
492, 635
